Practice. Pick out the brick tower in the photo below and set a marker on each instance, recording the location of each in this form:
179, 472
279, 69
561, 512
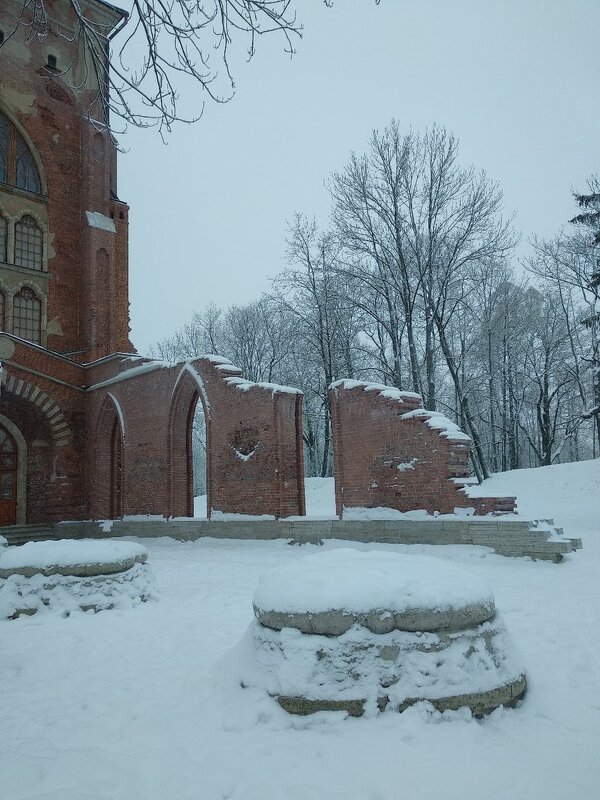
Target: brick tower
63, 257
88, 428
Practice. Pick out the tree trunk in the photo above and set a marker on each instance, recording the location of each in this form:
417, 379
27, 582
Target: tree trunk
465, 408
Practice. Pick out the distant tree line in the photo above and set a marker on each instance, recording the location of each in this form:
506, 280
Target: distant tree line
413, 285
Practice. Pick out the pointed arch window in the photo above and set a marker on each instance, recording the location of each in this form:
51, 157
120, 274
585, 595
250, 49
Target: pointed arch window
3, 239
28, 243
17, 165
27, 315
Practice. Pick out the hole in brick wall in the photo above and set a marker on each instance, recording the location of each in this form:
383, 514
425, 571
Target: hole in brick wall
245, 440
121, 215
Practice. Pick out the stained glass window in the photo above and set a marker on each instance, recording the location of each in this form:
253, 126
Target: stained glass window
28, 243
27, 174
17, 166
27, 315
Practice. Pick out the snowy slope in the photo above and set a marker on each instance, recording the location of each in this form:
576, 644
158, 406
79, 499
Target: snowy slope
143, 703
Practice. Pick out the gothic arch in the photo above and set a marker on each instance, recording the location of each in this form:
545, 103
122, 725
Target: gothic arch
59, 427
107, 452
30, 145
21, 468
188, 391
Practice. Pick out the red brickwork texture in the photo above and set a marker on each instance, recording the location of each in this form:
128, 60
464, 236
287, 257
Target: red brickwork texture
384, 460
254, 443
50, 413
78, 168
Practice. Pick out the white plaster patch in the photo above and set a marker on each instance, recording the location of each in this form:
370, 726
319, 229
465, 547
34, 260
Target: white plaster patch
405, 465
97, 220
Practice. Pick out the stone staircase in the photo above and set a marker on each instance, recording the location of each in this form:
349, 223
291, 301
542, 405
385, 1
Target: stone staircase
19, 534
508, 536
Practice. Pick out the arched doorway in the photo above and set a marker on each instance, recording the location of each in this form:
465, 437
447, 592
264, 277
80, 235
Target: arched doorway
9, 477
116, 471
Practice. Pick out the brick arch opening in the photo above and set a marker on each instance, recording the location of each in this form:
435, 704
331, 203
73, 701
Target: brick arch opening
60, 429
30, 146
188, 392
20, 473
107, 500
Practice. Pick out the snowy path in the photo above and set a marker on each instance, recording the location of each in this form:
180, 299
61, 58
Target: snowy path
134, 704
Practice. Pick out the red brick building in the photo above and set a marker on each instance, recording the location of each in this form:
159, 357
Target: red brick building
89, 429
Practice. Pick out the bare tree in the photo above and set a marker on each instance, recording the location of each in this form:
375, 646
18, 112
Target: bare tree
569, 264
316, 297
417, 224
157, 51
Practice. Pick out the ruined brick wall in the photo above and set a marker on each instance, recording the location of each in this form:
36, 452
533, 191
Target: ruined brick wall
390, 452
254, 442
86, 279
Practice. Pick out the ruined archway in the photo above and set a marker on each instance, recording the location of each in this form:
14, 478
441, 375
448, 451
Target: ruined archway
189, 393
253, 442
199, 461
106, 501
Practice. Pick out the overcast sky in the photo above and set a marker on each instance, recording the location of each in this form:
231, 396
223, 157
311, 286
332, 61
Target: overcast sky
515, 80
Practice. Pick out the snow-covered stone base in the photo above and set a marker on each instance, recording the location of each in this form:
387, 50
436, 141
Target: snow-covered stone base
64, 594
436, 637
360, 671
65, 576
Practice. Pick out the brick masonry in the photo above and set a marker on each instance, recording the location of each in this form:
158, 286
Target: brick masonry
389, 452
103, 432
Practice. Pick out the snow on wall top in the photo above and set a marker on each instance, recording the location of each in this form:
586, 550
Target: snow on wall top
147, 366
385, 391
439, 422
221, 363
244, 385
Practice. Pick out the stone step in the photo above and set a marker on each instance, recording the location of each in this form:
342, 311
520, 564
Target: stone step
20, 534
505, 536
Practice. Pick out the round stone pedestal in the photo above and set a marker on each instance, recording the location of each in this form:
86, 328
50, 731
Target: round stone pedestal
72, 574
356, 630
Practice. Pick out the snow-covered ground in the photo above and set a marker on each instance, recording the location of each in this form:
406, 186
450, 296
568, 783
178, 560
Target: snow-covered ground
143, 703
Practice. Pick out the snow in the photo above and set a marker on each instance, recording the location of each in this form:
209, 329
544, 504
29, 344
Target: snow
63, 595
355, 581
416, 665
119, 413
200, 507
144, 703
245, 385
439, 422
134, 372
567, 493
69, 553
320, 502
385, 391
221, 363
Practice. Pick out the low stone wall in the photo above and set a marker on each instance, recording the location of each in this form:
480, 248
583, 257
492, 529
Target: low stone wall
538, 539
